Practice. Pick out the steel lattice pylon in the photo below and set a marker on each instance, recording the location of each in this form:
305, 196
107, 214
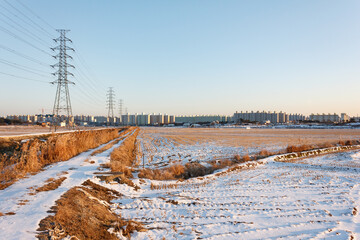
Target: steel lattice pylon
110, 104
62, 106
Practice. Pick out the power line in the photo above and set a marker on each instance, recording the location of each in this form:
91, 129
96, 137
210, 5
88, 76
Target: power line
23, 30
23, 55
85, 65
21, 68
51, 36
88, 97
82, 74
27, 8
93, 97
30, 79
23, 40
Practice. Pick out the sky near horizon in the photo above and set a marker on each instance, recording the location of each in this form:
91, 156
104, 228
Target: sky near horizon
184, 57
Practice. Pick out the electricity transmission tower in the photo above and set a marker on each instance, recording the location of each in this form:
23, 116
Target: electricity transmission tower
121, 110
62, 105
110, 103
121, 103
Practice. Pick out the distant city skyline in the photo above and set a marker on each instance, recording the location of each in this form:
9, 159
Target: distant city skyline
185, 57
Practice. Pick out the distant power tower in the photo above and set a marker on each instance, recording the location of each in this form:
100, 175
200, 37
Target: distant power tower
62, 104
121, 104
110, 102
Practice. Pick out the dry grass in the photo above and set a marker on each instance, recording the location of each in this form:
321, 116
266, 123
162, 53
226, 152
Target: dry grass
51, 185
170, 173
31, 156
194, 169
235, 137
84, 212
177, 171
307, 147
118, 177
124, 157
111, 144
106, 147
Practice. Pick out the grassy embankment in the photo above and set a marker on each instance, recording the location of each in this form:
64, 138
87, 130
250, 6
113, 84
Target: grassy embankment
123, 158
19, 158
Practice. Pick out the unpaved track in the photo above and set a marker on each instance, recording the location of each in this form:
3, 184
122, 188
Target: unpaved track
24, 223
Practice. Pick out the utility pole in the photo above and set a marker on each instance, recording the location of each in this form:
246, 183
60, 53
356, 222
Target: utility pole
110, 103
62, 104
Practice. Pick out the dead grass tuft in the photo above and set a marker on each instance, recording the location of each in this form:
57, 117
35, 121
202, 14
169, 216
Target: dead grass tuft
308, 147
264, 153
246, 158
84, 212
51, 185
120, 178
176, 172
300, 148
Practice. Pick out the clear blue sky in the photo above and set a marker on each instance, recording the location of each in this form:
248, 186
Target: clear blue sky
188, 56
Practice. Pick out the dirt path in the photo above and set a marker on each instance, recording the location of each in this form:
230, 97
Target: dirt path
26, 207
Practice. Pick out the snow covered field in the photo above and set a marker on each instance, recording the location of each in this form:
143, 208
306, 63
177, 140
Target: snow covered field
314, 198
161, 147
309, 198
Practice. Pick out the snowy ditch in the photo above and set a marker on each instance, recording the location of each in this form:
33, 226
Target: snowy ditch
265, 199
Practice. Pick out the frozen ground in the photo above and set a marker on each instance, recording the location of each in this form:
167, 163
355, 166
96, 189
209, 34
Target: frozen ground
30, 207
161, 147
158, 151
315, 198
